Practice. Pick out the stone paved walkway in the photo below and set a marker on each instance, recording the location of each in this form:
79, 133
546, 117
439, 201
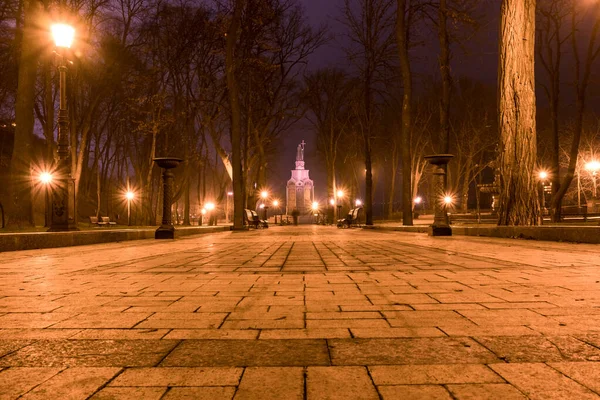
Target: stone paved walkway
302, 313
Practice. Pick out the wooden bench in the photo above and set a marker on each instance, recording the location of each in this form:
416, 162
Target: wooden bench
103, 221
252, 219
94, 221
107, 221
351, 219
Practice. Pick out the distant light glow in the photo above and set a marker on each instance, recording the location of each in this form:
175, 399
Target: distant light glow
332, 202
261, 206
593, 166
264, 194
340, 193
209, 206
275, 203
129, 195
418, 200
358, 203
229, 193
45, 178
203, 211
63, 35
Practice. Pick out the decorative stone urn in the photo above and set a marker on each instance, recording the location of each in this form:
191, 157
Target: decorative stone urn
441, 225
166, 230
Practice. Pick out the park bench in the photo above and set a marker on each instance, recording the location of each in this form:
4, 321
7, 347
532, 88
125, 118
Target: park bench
94, 221
107, 221
351, 219
103, 221
252, 219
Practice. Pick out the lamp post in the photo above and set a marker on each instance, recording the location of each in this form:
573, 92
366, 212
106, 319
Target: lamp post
166, 230
593, 167
63, 217
202, 214
418, 200
441, 225
210, 207
276, 206
229, 194
129, 196
264, 195
332, 203
543, 175
340, 195
46, 179
315, 208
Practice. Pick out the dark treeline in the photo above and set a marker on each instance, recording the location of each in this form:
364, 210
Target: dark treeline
219, 83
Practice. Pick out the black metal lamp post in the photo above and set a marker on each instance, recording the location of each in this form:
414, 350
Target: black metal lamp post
63, 217
166, 230
441, 225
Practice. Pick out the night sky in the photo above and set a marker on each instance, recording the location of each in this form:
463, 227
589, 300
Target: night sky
477, 59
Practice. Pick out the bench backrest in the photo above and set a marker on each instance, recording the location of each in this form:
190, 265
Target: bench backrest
105, 219
93, 220
254, 215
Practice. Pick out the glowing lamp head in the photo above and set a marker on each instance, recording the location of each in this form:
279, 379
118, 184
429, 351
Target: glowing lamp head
543, 174
210, 206
447, 200
358, 203
315, 206
261, 206
332, 202
129, 195
229, 193
63, 35
418, 200
592, 166
275, 203
340, 193
264, 194
46, 178
203, 211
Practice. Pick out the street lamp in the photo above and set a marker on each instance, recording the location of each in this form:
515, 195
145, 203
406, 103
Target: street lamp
210, 207
543, 175
129, 195
64, 216
593, 167
276, 205
358, 203
46, 179
340, 196
203, 212
229, 194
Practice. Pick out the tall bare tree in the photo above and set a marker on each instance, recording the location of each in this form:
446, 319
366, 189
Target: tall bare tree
20, 209
403, 18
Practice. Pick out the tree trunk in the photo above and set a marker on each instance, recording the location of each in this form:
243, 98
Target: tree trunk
516, 110
402, 40
20, 206
235, 117
444, 60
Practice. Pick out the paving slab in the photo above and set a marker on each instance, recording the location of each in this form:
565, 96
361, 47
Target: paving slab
302, 312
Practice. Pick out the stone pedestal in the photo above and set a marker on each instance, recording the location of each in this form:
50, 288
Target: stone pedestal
441, 225
166, 229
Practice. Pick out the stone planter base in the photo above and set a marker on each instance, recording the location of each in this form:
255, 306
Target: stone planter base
165, 232
439, 231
